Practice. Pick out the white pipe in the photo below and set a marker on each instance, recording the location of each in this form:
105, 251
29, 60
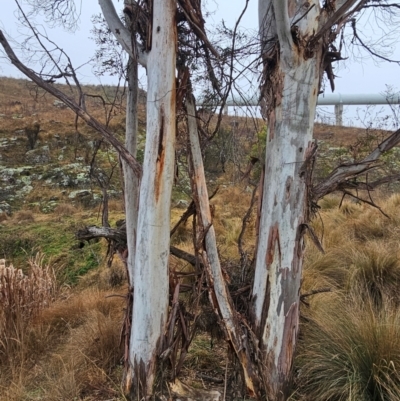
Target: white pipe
357, 99
331, 99
323, 100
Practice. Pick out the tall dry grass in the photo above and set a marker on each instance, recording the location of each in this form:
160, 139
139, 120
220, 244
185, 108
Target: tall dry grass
351, 351
22, 297
349, 348
86, 363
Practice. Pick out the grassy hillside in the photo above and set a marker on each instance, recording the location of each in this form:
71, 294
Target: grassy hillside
62, 312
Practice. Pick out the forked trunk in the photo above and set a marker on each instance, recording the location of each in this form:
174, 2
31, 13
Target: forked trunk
150, 300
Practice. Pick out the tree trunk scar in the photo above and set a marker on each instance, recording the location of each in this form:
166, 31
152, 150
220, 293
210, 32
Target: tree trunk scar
288, 185
161, 136
289, 338
273, 239
271, 125
160, 155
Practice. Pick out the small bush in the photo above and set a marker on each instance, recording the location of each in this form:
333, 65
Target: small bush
24, 216
32, 133
65, 209
15, 243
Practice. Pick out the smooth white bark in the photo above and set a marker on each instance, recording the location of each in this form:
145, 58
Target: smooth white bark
276, 289
120, 32
151, 278
283, 28
131, 181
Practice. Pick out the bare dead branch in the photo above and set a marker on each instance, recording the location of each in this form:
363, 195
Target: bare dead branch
118, 235
362, 200
380, 5
333, 19
340, 176
313, 292
245, 221
190, 211
368, 48
76, 108
193, 14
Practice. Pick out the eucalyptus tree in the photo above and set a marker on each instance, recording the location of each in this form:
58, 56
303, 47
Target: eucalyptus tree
148, 242
298, 43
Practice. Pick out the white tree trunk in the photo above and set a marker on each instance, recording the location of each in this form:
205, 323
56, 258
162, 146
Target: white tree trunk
131, 181
121, 32
131, 194
276, 290
151, 279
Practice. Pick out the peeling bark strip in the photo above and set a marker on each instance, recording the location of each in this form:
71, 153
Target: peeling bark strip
289, 338
219, 294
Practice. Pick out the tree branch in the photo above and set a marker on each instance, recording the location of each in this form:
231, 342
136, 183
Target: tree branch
76, 108
283, 28
118, 236
342, 7
337, 179
367, 48
121, 33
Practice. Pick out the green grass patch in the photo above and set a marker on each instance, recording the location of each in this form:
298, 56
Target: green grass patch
57, 242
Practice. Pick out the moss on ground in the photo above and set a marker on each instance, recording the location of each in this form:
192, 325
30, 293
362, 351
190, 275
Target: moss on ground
56, 240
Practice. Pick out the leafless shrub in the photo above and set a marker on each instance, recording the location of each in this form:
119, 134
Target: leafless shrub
32, 133
24, 215
65, 209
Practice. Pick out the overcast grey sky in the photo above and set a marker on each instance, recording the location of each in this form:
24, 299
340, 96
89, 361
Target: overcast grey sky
361, 76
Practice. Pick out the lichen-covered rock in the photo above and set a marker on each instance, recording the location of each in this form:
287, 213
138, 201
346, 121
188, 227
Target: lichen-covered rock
182, 204
38, 156
82, 193
5, 208
68, 176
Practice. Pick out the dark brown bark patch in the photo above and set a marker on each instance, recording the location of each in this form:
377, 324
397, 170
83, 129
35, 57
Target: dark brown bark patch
271, 125
288, 186
138, 389
160, 156
289, 339
264, 314
273, 240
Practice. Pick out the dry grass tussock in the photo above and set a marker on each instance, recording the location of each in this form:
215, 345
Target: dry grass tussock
349, 345
22, 297
88, 358
23, 216
230, 205
57, 345
351, 351
66, 210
